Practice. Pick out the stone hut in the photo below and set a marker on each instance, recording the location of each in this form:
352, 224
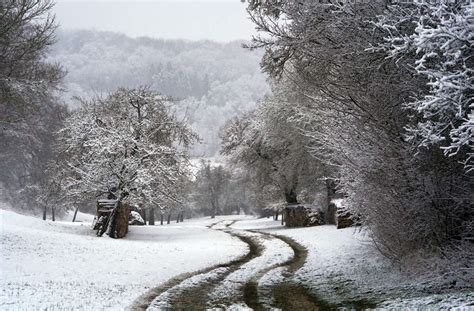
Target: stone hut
301, 215
340, 216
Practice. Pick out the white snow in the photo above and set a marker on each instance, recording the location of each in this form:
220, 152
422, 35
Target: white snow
342, 264
338, 202
162, 302
275, 252
63, 265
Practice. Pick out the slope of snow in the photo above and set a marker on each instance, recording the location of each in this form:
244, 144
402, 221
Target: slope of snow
63, 265
80, 217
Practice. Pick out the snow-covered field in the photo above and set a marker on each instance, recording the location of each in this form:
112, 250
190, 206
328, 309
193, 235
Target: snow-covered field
63, 265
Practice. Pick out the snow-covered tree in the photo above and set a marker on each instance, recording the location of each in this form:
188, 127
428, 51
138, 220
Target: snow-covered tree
437, 39
210, 187
129, 143
29, 112
353, 111
270, 144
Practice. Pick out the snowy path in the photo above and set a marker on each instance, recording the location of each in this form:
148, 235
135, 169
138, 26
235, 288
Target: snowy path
241, 262
63, 265
255, 281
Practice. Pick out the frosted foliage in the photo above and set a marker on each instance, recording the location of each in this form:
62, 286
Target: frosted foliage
442, 44
129, 141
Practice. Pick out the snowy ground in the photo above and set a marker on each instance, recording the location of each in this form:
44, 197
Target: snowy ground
342, 266
62, 265
274, 252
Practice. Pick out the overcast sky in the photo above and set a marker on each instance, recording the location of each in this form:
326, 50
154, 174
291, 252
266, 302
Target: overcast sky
218, 20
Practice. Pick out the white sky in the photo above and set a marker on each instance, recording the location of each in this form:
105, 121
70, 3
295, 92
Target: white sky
219, 20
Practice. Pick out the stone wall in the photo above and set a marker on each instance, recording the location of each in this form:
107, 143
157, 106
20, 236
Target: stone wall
302, 216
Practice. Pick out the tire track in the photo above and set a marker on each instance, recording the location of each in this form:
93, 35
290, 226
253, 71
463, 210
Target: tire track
194, 296
287, 293
239, 282
266, 297
231, 291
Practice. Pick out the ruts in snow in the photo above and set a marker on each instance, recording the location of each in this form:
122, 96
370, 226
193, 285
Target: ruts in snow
248, 282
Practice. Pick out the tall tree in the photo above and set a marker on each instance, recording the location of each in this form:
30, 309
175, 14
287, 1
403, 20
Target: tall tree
436, 40
210, 183
29, 113
354, 114
129, 143
270, 143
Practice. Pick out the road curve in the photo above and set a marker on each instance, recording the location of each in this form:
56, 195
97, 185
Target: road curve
259, 280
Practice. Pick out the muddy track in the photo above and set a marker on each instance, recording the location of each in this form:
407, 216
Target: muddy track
195, 298
279, 293
191, 291
291, 294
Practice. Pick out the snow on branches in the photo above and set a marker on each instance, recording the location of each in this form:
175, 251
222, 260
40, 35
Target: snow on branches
129, 141
439, 37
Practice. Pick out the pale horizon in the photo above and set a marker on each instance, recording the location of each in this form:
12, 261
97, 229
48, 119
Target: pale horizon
215, 20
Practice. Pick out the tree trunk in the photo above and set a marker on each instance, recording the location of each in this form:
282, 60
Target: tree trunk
44, 213
75, 214
169, 218
276, 215
161, 219
282, 218
328, 192
144, 216
182, 216
118, 223
290, 196
151, 220
53, 214
214, 208
178, 217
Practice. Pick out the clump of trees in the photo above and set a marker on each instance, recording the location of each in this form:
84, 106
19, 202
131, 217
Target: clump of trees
217, 189
269, 143
29, 110
381, 94
130, 144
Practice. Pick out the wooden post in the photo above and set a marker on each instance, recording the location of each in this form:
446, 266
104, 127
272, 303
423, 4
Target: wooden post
52, 214
75, 214
120, 225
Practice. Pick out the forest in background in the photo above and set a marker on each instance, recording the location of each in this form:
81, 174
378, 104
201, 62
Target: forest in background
216, 81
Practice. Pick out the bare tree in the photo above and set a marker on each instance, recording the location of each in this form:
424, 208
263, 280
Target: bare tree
210, 187
354, 114
29, 113
129, 143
